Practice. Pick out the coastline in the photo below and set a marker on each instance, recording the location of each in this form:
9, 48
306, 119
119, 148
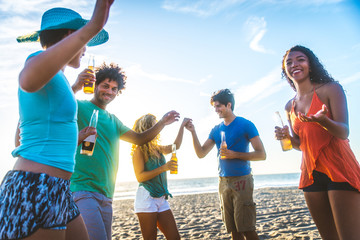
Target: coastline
281, 214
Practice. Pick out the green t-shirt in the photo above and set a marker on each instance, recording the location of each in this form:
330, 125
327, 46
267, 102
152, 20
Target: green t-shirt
97, 173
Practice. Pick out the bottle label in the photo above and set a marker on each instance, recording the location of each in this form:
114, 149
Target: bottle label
90, 138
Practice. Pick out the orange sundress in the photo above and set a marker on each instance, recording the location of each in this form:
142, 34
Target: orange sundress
324, 152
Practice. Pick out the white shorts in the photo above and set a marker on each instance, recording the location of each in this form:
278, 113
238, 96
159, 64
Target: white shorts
146, 203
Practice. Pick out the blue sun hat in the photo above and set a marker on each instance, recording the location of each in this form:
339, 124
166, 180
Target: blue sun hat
63, 18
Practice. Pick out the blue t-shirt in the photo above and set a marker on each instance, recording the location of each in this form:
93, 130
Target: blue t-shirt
48, 129
237, 134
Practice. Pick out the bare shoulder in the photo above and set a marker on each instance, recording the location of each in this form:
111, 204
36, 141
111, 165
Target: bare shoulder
137, 151
329, 89
289, 105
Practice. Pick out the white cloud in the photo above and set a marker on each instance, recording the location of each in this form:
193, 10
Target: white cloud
255, 29
201, 8
263, 88
206, 8
26, 7
136, 71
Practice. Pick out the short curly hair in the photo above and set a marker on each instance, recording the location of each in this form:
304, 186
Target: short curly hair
112, 72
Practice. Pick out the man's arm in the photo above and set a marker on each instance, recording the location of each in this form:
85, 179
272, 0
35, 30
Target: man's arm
144, 137
201, 151
256, 155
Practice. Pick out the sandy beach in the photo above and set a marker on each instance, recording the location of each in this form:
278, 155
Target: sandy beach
281, 214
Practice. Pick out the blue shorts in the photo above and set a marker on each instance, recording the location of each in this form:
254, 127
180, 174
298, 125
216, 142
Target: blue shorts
323, 183
30, 201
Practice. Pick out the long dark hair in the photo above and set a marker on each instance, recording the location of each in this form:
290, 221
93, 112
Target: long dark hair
318, 73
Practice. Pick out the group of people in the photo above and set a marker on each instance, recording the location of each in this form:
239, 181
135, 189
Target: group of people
54, 192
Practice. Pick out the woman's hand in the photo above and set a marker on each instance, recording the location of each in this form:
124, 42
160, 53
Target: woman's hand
282, 133
190, 126
171, 165
318, 117
186, 121
100, 14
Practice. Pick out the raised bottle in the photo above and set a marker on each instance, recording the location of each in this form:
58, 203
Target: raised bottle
88, 144
173, 157
89, 86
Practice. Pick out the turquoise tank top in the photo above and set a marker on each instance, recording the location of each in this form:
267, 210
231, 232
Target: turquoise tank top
157, 186
48, 128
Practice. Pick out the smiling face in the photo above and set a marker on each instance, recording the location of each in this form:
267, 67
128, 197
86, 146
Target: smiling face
222, 110
105, 92
297, 66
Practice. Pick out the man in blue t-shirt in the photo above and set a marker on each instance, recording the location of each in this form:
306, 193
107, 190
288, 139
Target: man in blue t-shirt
236, 184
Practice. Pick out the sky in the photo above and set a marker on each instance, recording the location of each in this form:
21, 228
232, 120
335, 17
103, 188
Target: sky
176, 53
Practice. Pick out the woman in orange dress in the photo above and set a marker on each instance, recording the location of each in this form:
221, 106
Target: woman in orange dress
318, 118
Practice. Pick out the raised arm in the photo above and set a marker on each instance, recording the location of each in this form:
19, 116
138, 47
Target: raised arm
201, 151
178, 140
146, 136
139, 167
256, 155
39, 69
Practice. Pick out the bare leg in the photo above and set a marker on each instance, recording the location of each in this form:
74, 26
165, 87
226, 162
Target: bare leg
251, 235
320, 210
45, 234
75, 230
148, 225
166, 223
237, 236
345, 206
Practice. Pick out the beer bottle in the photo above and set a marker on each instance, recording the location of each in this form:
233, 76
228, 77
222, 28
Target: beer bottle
286, 142
223, 142
88, 86
173, 157
88, 144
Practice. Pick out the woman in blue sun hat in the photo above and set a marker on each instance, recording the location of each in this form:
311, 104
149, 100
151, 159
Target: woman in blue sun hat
36, 202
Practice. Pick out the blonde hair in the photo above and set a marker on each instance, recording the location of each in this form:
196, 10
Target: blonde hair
150, 148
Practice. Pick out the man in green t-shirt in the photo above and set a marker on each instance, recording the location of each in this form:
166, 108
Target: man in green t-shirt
93, 181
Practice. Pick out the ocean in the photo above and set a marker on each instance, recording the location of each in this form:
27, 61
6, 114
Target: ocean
126, 190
